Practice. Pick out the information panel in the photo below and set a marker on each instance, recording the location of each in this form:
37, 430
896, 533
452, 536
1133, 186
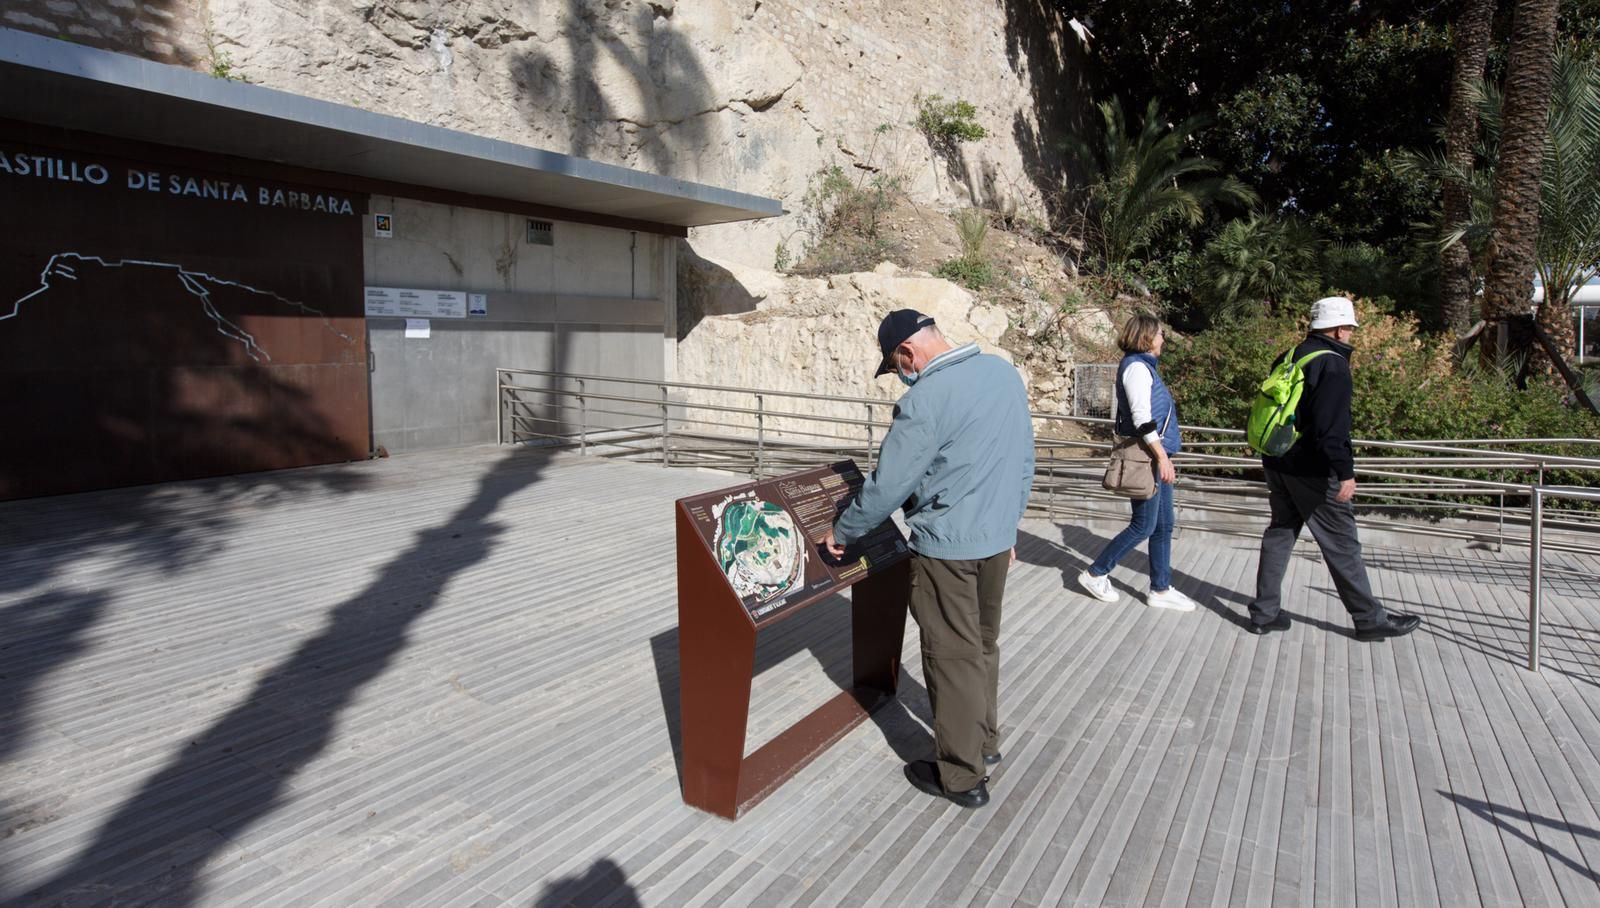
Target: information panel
397, 302
766, 537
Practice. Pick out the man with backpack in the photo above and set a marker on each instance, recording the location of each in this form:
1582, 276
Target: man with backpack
1313, 482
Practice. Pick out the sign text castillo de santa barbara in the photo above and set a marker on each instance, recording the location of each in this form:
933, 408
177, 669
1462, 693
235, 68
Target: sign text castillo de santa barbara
141, 179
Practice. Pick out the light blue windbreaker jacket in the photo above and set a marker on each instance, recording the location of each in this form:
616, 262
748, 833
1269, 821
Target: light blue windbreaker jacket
958, 457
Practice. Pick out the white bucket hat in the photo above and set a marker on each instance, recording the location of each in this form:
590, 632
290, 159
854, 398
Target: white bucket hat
1332, 312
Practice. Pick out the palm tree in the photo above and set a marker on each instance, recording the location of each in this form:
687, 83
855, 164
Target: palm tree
1515, 230
1568, 248
1256, 262
1472, 37
1141, 181
1569, 204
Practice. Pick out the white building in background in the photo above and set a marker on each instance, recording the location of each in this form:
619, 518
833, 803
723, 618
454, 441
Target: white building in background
1585, 314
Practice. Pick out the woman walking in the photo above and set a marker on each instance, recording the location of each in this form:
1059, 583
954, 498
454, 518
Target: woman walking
1144, 410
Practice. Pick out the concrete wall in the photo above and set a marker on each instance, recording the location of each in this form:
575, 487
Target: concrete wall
599, 301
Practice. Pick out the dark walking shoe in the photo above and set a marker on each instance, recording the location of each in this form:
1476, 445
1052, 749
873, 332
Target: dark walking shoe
1280, 623
925, 775
992, 759
1395, 624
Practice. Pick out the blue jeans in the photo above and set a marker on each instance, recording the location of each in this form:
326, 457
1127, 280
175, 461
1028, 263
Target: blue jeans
1152, 520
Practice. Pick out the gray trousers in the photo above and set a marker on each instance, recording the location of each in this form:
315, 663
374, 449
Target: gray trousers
957, 607
1308, 501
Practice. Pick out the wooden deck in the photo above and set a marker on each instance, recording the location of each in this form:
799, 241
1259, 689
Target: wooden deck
450, 679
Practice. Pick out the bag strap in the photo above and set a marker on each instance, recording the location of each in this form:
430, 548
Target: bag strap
1301, 362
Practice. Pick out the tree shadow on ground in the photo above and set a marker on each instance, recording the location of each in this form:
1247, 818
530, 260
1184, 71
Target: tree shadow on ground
603, 883
154, 846
1497, 815
824, 629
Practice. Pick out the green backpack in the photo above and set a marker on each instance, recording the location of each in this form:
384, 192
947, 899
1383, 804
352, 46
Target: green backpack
1271, 429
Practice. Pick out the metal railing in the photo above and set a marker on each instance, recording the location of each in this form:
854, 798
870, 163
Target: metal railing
1536, 557
1418, 487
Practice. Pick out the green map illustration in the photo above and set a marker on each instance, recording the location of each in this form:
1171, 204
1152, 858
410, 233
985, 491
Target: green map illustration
759, 548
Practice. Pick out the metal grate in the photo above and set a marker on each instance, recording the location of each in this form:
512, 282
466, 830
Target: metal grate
1093, 390
541, 233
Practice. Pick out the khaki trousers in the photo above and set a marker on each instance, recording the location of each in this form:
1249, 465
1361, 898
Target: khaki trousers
957, 606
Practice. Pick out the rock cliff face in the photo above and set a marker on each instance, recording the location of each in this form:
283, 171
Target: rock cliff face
752, 95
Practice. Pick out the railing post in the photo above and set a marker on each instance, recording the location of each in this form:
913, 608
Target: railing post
499, 407
1052, 492
666, 431
1535, 542
761, 430
1500, 537
583, 420
871, 456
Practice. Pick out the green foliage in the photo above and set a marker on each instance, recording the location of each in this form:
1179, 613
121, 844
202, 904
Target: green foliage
971, 269
782, 258
1404, 384
221, 60
973, 274
972, 228
947, 123
1143, 181
845, 221
1309, 96
1258, 264
1569, 194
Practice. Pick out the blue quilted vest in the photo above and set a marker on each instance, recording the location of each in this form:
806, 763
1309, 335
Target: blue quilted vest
1162, 408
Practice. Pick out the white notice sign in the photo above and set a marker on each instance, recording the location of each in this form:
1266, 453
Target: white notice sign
398, 303
478, 305
418, 327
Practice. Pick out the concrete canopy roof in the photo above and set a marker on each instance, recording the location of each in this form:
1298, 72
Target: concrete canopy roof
56, 83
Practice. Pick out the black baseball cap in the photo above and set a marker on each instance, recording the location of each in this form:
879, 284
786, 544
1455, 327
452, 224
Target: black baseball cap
893, 331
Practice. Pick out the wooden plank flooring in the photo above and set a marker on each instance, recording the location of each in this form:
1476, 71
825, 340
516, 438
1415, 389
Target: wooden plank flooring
450, 679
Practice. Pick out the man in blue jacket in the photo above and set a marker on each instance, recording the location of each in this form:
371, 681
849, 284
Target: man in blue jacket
959, 459
1313, 483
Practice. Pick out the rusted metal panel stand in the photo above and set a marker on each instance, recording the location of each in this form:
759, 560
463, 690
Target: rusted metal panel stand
716, 659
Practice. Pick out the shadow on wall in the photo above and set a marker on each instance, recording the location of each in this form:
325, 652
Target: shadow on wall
152, 29
673, 91
1043, 48
706, 288
135, 371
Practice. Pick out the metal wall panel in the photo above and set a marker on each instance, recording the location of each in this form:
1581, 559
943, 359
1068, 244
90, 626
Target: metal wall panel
165, 322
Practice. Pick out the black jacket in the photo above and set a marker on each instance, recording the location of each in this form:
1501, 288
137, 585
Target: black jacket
1323, 415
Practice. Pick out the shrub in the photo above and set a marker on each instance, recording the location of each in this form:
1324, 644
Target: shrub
947, 123
972, 228
1405, 387
846, 226
973, 274
1257, 264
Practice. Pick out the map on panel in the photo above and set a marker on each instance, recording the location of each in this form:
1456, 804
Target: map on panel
758, 547
766, 538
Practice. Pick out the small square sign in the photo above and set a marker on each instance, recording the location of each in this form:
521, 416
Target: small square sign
383, 225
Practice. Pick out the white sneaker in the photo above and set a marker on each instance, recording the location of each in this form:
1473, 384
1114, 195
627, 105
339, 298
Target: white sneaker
1172, 599
1098, 587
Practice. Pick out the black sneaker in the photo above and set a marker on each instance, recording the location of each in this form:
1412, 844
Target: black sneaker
1395, 624
924, 774
1280, 623
992, 759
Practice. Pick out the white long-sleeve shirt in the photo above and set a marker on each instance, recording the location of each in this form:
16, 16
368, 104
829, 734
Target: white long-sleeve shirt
1137, 381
